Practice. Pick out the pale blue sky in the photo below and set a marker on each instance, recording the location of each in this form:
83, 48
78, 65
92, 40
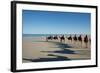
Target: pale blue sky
49, 22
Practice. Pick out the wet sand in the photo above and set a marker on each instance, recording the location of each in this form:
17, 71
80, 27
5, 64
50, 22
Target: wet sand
37, 49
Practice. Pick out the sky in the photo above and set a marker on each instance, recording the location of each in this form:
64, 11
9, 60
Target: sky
52, 22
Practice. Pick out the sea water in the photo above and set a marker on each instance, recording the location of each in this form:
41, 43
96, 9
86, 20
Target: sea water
46, 35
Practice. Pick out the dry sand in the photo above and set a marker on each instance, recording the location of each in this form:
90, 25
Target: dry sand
37, 49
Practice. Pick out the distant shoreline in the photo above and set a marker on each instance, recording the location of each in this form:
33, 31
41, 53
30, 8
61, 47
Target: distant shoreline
37, 35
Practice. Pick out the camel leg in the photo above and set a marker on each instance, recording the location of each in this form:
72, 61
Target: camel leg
86, 45
71, 41
60, 40
64, 40
74, 42
81, 43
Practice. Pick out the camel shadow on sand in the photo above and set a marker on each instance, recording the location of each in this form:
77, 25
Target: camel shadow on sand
58, 58
62, 50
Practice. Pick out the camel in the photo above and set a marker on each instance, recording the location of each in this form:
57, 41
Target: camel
62, 38
75, 38
55, 37
86, 40
49, 38
80, 39
70, 38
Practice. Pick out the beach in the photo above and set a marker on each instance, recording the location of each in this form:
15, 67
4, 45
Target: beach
37, 49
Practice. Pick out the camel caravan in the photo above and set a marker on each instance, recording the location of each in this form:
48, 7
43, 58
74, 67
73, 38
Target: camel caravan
73, 39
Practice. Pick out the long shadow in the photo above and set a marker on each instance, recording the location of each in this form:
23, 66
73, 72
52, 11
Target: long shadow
58, 58
65, 51
63, 48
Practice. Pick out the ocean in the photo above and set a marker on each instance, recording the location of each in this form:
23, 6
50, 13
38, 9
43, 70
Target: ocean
46, 35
